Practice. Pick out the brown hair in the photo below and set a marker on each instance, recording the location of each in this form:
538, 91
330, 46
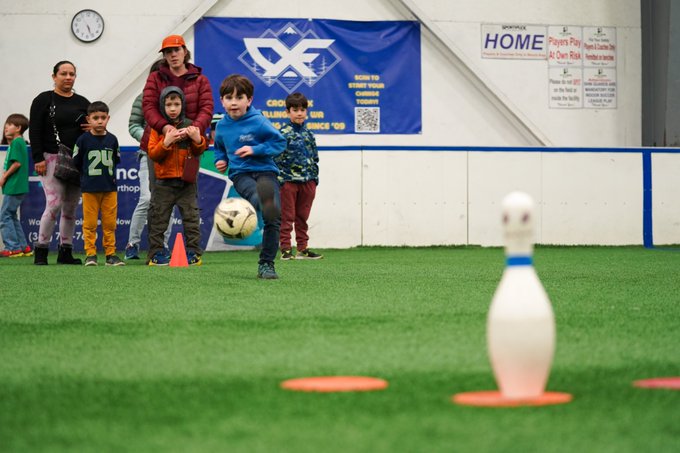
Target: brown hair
187, 56
296, 99
18, 120
239, 83
156, 65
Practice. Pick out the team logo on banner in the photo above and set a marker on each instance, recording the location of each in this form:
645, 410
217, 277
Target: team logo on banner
289, 58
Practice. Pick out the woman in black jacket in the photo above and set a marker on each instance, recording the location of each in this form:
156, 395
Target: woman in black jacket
66, 111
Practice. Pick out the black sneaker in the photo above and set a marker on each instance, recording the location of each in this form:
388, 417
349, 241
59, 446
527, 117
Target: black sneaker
113, 260
266, 271
287, 255
307, 255
91, 260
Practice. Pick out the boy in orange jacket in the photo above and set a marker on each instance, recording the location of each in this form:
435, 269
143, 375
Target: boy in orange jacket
176, 156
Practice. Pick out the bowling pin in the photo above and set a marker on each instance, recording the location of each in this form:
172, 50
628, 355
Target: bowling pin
520, 324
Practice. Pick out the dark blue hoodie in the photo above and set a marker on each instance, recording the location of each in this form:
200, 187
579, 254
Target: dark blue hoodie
251, 129
96, 157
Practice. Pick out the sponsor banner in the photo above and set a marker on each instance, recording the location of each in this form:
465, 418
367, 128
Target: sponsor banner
357, 75
514, 41
212, 187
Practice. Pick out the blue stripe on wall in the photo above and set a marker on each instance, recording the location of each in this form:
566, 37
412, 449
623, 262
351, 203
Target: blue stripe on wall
647, 237
647, 217
488, 149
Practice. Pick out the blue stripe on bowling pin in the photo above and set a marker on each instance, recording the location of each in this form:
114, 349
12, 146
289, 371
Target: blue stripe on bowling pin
519, 261
520, 324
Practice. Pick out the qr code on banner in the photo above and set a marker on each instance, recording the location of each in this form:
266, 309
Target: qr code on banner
367, 119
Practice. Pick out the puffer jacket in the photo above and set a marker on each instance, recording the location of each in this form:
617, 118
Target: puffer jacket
136, 123
169, 161
197, 93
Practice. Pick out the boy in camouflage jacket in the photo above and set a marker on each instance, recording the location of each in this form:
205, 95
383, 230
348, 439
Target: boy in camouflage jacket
298, 176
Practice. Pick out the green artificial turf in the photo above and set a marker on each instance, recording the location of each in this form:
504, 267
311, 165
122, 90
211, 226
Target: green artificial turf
190, 359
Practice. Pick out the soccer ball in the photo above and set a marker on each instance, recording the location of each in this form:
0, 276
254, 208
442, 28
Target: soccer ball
235, 218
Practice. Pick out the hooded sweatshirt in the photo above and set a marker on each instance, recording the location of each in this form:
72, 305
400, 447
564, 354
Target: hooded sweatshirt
169, 161
251, 129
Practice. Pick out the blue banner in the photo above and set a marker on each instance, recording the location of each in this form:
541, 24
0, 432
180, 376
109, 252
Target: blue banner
361, 77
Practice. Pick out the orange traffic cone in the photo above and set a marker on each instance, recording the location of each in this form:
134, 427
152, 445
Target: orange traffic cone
179, 254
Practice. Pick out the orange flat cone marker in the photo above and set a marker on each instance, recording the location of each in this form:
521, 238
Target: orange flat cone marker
179, 254
496, 399
327, 384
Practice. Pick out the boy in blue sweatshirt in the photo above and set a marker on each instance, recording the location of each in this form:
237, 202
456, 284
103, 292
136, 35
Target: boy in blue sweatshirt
96, 155
246, 143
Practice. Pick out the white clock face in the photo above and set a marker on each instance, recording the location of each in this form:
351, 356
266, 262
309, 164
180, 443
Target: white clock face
87, 25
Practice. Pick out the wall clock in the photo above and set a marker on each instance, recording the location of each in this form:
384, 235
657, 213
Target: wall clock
87, 25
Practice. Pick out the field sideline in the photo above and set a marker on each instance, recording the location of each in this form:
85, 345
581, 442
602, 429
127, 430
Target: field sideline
190, 359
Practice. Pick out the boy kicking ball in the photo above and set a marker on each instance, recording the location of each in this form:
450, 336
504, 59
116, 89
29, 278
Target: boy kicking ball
246, 143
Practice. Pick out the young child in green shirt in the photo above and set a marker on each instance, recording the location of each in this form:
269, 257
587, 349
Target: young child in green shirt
14, 183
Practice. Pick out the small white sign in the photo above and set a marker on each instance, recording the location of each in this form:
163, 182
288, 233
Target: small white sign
599, 46
565, 87
599, 88
564, 45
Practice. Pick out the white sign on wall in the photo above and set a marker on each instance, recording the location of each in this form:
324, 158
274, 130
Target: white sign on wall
565, 85
599, 88
599, 46
522, 42
564, 45
582, 67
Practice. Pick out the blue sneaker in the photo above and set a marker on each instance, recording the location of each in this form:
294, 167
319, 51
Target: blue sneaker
166, 252
159, 259
194, 259
132, 252
266, 271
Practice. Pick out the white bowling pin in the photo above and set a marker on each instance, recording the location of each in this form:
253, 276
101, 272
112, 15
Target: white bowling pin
521, 324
